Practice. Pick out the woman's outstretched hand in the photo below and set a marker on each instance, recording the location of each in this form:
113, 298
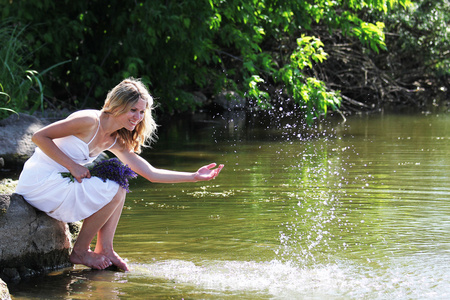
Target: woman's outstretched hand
207, 172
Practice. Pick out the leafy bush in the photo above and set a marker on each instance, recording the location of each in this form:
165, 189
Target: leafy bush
422, 35
179, 47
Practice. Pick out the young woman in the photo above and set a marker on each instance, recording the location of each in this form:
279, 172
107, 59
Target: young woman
123, 126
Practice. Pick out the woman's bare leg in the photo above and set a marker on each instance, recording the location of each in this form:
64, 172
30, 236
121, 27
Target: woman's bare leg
105, 237
81, 253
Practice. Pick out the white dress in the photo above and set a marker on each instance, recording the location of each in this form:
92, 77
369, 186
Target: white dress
42, 185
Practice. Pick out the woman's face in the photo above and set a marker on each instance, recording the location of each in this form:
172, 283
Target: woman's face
131, 118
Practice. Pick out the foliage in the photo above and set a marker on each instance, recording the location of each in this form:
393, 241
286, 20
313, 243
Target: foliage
16, 81
21, 88
412, 73
179, 47
422, 35
308, 90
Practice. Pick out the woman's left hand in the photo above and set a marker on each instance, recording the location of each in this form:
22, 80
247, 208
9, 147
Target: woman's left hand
207, 172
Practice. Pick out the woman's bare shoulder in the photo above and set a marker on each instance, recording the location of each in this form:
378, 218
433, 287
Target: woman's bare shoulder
87, 116
80, 123
88, 113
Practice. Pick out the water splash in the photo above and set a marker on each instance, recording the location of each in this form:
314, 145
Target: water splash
286, 280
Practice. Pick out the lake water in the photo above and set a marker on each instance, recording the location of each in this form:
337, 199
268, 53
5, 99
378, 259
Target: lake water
343, 210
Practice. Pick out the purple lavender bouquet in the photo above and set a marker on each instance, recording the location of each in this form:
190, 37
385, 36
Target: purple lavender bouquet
112, 169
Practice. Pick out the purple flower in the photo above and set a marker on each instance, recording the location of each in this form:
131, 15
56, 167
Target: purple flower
112, 169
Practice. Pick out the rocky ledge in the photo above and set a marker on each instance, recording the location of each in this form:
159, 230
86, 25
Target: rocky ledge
32, 243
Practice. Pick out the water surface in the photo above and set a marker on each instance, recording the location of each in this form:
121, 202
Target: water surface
338, 211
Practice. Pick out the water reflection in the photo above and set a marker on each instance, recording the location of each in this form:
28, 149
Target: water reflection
77, 283
338, 211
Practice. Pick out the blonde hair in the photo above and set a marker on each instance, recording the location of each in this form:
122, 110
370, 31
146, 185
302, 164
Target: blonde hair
120, 100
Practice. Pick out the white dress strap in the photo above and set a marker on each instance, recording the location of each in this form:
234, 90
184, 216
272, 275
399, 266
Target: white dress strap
98, 127
112, 144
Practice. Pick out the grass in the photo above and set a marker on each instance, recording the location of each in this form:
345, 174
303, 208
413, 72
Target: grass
21, 88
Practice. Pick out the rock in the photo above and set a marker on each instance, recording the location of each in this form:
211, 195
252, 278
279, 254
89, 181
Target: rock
16, 132
4, 204
200, 98
11, 274
31, 242
230, 100
26, 272
15, 139
4, 292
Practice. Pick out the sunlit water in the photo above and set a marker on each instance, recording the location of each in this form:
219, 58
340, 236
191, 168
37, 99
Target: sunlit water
354, 210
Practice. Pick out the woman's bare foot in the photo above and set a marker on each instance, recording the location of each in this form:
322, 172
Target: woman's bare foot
90, 259
115, 259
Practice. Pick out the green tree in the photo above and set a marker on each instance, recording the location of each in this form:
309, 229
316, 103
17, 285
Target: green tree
179, 47
420, 38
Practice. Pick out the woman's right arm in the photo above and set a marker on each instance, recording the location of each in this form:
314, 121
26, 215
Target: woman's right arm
77, 125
